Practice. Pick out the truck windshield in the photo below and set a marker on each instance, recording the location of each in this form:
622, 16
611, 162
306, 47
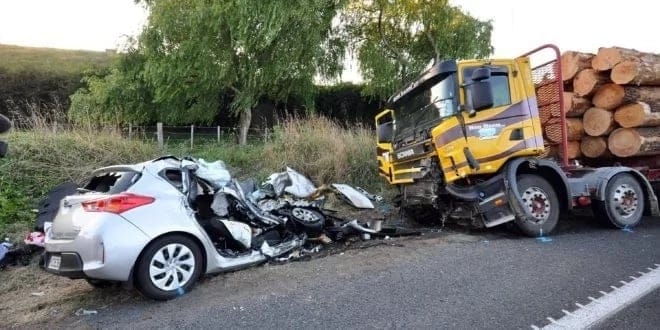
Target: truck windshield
426, 104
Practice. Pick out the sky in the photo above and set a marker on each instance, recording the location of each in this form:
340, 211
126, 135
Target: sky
518, 25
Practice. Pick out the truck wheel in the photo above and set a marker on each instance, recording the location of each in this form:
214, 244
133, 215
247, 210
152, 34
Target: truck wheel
540, 203
168, 267
624, 202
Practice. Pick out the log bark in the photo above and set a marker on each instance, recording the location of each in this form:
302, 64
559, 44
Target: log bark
608, 57
587, 82
573, 62
574, 130
612, 96
575, 106
636, 115
598, 122
628, 142
594, 147
640, 71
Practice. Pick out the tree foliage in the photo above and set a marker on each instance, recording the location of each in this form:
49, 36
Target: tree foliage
394, 40
192, 53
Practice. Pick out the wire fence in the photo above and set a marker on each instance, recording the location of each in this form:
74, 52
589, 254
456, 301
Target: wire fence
162, 134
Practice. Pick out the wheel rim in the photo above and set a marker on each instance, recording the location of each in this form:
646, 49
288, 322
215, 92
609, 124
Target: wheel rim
536, 203
624, 200
305, 215
171, 267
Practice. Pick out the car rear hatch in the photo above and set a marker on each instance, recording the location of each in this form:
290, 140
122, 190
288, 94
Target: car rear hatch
72, 216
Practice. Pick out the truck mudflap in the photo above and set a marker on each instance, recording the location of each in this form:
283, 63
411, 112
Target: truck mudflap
592, 182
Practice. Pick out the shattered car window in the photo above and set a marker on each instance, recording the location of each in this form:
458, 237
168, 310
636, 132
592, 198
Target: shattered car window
112, 183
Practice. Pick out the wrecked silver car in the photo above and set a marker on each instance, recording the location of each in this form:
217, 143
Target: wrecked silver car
160, 224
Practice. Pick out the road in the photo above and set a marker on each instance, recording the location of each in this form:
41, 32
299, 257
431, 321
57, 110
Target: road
491, 279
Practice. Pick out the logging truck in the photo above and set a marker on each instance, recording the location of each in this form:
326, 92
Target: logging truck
488, 142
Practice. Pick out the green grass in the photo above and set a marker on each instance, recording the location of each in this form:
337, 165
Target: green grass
52, 60
317, 147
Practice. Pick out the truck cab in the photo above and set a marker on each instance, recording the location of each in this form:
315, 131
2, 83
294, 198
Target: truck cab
464, 140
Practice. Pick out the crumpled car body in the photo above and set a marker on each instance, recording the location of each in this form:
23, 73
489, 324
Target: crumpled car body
145, 224
161, 224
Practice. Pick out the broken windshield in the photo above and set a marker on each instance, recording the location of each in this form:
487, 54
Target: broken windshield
426, 104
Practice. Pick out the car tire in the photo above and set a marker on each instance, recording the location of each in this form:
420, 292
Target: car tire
623, 206
165, 263
541, 205
309, 220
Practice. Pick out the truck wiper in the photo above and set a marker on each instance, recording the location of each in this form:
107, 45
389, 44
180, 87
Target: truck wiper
421, 111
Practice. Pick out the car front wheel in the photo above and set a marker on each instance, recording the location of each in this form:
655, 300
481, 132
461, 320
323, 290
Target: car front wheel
168, 267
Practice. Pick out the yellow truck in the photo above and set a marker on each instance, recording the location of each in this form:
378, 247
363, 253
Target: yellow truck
464, 141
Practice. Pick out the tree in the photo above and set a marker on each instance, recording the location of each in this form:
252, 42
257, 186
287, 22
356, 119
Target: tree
197, 50
394, 40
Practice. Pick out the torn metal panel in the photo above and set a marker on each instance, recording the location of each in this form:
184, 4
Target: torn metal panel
353, 196
220, 205
301, 186
275, 184
215, 173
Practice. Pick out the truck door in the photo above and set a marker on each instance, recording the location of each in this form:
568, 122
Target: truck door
505, 130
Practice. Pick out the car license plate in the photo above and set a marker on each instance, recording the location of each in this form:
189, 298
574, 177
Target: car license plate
54, 262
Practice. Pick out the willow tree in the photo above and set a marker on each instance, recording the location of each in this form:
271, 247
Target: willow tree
198, 50
394, 40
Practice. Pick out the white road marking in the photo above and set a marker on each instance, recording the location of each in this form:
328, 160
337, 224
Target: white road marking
598, 310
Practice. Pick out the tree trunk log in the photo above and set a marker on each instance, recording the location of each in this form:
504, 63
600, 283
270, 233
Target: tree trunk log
587, 81
644, 70
573, 62
574, 130
572, 149
611, 96
608, 57
244, 122
598, 122
594, 147
637, 114
627, 142
575, 106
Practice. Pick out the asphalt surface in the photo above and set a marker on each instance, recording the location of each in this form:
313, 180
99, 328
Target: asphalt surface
491, 279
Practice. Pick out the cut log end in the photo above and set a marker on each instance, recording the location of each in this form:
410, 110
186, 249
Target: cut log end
587, 81
594, 147
608, 96
637, 114
572, 62
598, 122
606, 58
624, 72
628, 142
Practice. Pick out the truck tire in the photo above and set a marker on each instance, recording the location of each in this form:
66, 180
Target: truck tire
623, 205
540, 203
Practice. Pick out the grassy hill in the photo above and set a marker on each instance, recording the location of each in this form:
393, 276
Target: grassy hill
51, 60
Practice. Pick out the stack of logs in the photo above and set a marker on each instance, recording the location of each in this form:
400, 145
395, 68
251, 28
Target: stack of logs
611, 102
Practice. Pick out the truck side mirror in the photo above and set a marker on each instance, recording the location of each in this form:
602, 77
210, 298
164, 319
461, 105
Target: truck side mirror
480, 90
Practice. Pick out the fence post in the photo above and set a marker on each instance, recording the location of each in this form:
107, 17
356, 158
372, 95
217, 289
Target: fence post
218, 134
159, 135
130, 131
192, 135
266, 135
54, 126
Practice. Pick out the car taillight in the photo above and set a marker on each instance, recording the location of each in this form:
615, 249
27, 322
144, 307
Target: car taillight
117, 203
